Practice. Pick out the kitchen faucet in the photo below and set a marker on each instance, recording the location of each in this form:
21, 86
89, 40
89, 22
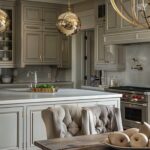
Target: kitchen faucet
35, 78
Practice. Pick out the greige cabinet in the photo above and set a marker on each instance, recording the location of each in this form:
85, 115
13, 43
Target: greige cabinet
40, 14
65, 52
32, 14
107, 57
51, 42
11, 128
36, 129
114, 23
112, 19
124, 24
39, 37
22, 124
32, 47
41, 47
99, 46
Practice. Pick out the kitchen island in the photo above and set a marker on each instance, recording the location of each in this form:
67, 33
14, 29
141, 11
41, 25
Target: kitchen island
20, 112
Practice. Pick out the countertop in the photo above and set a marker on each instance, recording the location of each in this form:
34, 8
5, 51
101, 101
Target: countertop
100, 88
27, 84
7, 96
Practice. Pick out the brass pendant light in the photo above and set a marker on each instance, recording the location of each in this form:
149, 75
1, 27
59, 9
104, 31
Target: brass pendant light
4, 21
68, 23
138, 13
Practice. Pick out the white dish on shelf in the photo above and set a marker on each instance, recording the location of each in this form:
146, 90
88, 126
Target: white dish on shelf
125, 148
6, 79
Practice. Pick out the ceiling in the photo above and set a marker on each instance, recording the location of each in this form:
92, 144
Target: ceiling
60, 1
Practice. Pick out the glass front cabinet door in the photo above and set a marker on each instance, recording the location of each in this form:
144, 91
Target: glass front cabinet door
7, 40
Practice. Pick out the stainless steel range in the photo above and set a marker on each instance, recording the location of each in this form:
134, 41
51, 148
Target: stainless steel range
134, 104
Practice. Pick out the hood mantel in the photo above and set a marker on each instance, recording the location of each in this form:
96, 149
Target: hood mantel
127, 37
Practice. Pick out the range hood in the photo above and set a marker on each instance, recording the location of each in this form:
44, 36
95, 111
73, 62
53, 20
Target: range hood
127, 37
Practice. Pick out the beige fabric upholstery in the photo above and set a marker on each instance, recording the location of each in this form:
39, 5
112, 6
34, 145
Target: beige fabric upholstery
66, 121
101, 119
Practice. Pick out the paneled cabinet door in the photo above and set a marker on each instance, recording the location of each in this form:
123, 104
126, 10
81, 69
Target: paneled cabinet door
11, 128
49, 16
51, 42
32, 14
112, 19
36, 129
99, 46
124, 24
65, 52
32, 47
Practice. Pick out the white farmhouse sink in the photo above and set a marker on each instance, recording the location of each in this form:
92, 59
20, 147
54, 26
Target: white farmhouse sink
19, 89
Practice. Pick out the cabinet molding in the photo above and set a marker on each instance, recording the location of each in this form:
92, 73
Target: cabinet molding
127, 37
39, 38
87, 19
11, 128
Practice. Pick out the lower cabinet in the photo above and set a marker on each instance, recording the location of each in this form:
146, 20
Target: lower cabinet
35, 126
11, 128
22, 124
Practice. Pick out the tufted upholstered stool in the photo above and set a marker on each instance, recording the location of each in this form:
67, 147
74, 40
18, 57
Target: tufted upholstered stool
63, 121
100, 119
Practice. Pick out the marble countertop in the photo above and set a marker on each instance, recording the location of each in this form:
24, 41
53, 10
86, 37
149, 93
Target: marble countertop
27, 84
8, 96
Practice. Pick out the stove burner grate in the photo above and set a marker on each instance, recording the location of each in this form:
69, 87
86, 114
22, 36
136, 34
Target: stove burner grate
132, 88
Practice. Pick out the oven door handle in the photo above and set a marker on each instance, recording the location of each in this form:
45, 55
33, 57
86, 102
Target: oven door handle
135, 104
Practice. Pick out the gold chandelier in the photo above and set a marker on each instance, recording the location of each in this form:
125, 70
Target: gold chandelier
138, 14
68, 23
4, 20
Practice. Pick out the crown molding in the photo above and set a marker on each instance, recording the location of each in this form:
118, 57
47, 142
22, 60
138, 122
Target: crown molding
59, 1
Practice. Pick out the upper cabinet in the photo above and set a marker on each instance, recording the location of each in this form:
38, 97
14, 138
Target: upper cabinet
40, 39
7, 38
114, 23
112, 19
87, 18
41, 15
107, 57
65, 52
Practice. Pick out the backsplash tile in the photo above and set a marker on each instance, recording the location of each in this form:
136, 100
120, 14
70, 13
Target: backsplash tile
133, 76
44, 74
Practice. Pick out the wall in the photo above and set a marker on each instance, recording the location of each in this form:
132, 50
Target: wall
44, 74
132, 76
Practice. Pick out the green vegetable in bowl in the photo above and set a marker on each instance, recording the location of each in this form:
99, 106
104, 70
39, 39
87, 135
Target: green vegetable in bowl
44, 86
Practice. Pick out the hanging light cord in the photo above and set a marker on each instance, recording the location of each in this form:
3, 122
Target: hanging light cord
69, 5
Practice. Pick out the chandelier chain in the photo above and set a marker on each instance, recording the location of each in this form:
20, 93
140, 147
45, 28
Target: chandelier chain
69, 5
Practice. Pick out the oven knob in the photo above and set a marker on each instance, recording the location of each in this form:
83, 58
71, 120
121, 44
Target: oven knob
142, 97
134, 99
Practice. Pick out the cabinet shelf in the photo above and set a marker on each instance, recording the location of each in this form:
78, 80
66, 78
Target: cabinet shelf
5, 50
5, 40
